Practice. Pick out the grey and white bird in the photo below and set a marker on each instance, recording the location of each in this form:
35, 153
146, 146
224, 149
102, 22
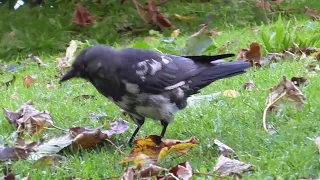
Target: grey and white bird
147, 84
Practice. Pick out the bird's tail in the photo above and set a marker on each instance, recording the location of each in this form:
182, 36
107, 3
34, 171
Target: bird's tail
217, 72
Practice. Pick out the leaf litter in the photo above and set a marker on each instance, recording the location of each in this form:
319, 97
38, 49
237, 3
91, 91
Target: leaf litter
29, 120
283, 93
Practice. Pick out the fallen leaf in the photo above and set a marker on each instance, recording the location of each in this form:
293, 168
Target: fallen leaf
13, 154
225, 150
214, 32
299, 81
175, 33
12, 34
82, 17
183, 171
154, 148
185, 19
231, 93
64, 62
158, 18
284, 92
312, 13
36, 60
226, 166
264, 5
117, 127
28, 81
249, 86
28, 119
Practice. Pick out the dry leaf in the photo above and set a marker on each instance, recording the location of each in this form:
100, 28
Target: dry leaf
225, 150
28, 81
156, 148
299, 81
312, 13
13, 154
117, 127
214, 32
226, 166
285, 91
249, 86
264, 5
64, 62
36, 60
183, 171
231, 93
28, 119
82, 17
157, 18
175, 33
317, 141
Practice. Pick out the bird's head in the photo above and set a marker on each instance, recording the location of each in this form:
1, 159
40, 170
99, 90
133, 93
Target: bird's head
87, 63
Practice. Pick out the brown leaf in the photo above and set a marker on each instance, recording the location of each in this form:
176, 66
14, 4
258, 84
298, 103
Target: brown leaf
249, 86
82, 17
141, 11
86, 138
82, 97
226, 166
118, 127
28, 81
312, 13
254, 52
183, 171
299, 81
264, 5
226, 150
13, 154
12, 34
28, 119
286, 92
214, 32
156, 17
318, 56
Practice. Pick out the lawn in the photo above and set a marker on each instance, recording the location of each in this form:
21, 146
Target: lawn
289, 154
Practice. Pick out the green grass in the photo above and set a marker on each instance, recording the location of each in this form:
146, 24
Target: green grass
236, 122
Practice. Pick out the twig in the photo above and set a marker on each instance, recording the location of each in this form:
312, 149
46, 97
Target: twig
264, 119
206, 174
118, 148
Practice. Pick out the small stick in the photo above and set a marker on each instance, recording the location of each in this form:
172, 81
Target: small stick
264, 119
118, 148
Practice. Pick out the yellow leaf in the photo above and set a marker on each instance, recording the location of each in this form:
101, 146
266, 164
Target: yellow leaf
231, 93
163, 153
183, 18
175, 33
181, 148
142, 160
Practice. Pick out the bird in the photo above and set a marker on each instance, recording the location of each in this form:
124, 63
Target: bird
147, 84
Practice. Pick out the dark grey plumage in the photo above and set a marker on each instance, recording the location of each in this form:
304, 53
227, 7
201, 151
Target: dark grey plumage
147, 84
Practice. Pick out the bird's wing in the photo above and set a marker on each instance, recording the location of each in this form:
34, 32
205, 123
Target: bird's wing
155, 73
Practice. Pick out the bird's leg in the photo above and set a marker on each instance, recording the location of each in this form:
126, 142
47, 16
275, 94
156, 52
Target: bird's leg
139, 124
164, 124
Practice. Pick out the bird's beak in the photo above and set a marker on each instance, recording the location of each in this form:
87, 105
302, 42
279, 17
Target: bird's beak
69, 75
